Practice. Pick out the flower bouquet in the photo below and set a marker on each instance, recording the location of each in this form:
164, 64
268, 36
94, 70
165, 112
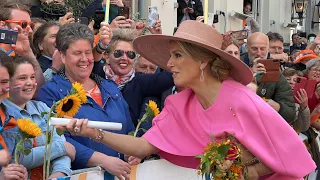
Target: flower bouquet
67, 106
221, 160
27, 130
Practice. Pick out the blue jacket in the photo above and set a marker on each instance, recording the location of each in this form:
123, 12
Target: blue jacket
60, 162
114, 109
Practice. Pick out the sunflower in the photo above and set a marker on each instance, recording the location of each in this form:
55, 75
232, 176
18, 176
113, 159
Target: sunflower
68, 106
152, 106
78, 88
28, 128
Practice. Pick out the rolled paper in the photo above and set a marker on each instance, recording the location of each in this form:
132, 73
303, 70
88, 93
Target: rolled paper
106, 17
91, 124
205, 11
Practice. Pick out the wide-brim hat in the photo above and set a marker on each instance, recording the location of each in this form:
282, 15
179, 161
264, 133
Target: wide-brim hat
155, 47
305, 55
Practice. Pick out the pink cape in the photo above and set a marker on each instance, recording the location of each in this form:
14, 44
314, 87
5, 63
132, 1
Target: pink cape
183, 129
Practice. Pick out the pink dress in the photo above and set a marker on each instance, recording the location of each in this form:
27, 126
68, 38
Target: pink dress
183, 129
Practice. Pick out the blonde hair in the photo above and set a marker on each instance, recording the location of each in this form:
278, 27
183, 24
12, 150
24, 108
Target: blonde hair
121, 34
219, 67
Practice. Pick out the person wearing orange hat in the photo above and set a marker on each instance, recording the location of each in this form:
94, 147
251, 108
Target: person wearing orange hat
305, 55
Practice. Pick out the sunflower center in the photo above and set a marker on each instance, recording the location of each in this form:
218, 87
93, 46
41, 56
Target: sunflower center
67, 106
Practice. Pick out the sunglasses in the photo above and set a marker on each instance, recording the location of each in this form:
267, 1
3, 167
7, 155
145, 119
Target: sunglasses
23, 24
120, 53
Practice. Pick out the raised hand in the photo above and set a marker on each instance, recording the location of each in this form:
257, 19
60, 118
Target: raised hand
302, 98
22, 45
156, 29
66, 19
105, 33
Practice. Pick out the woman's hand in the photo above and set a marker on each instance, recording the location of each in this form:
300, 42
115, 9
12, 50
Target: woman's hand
117, 167
105, 33
156, 29
133, 160
302, 99
14, 172
5, 157
79, 127
318, 90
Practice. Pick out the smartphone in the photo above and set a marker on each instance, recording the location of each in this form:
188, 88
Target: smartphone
83, 20
308, 85
272, 67
153, 16
124, 11
243, 34
8, 36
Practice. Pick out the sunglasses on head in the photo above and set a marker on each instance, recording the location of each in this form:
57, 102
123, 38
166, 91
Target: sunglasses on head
120, 53
23, 24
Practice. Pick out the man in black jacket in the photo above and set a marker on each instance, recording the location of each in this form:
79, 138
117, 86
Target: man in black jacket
189, 9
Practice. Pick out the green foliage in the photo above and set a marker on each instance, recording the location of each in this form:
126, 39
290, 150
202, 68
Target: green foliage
43, 114
75, 6
60, 132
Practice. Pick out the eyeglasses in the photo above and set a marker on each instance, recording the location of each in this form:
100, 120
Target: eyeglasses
120, 53
315, 69
22, 23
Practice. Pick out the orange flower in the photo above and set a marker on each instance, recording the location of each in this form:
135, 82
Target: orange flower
208, 147
236, 169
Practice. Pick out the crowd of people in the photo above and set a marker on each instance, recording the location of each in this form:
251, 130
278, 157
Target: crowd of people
204, 84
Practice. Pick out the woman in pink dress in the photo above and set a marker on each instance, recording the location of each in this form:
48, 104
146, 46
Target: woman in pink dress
215, 101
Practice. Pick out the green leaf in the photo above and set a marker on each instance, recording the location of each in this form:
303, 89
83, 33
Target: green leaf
20, 148
131, 133
223, 150
60, 132
27, 152
28, 141
144, 130
16, 137
43, 114
207, 164
199, 156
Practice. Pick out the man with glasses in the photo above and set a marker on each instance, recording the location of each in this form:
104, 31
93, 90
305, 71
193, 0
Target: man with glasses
14, 16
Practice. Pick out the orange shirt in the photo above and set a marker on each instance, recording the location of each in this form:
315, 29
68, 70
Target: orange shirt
95, 94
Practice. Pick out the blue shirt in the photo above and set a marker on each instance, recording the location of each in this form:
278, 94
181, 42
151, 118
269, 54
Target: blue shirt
33, 110
114, 109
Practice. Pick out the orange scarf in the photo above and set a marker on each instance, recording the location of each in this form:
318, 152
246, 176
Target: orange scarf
11, 124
